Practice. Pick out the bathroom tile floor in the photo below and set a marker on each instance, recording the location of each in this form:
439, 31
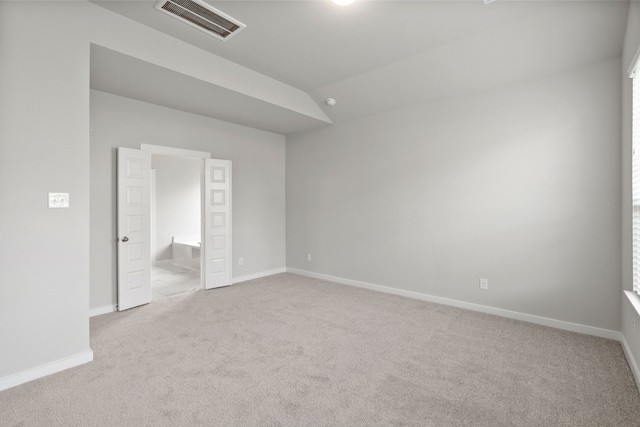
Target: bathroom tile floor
168, 280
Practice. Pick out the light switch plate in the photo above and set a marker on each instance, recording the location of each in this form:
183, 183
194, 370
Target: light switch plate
58, 200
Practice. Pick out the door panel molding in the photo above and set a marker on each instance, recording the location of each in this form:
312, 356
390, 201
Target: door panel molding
217, 228
134, 229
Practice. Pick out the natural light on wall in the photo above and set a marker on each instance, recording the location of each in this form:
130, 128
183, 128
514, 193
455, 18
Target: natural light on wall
634, 73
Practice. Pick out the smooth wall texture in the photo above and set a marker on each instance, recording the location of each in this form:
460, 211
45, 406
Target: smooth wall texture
44, 147
177, 202
258, 181
519, 185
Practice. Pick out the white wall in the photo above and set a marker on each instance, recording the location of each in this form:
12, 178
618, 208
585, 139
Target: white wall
177, 201
258, 181
518, 185
629, 313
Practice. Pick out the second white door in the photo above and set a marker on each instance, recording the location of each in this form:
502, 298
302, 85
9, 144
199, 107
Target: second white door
216, 251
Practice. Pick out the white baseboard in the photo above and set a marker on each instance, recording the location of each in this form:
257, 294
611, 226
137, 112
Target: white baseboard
97, 311
44, 370
558, 324
630, 360
258, 275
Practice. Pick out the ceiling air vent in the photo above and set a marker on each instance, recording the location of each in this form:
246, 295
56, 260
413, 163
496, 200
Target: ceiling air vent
199, 14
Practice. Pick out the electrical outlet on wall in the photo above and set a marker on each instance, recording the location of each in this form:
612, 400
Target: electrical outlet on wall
240, 261
308, 257
484, 284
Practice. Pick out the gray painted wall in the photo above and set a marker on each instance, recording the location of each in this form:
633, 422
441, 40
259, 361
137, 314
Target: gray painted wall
518, 185
258, 181
44, 134
177, 202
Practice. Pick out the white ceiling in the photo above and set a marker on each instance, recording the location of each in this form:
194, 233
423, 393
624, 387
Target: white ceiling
374, 56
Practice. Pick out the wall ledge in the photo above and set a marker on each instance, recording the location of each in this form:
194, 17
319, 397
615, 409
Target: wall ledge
45, 370
554, 323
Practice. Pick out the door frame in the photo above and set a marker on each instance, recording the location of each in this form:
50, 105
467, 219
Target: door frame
190, 154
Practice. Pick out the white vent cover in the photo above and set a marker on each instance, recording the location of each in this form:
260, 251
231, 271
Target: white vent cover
200, 15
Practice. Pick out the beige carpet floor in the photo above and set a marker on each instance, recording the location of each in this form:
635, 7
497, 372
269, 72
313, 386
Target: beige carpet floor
292, 351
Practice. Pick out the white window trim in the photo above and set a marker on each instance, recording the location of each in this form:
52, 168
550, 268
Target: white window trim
635, 170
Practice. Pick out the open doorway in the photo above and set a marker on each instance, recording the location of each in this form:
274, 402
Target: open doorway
134, 223
175, 225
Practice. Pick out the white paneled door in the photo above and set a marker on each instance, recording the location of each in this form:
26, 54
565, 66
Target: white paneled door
134, 212
217, 223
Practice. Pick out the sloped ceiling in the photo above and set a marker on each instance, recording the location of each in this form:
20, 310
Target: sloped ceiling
375, 56
125, 75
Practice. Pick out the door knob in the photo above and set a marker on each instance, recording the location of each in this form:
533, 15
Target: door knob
125, 239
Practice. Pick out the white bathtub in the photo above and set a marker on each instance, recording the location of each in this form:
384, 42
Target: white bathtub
186, 252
